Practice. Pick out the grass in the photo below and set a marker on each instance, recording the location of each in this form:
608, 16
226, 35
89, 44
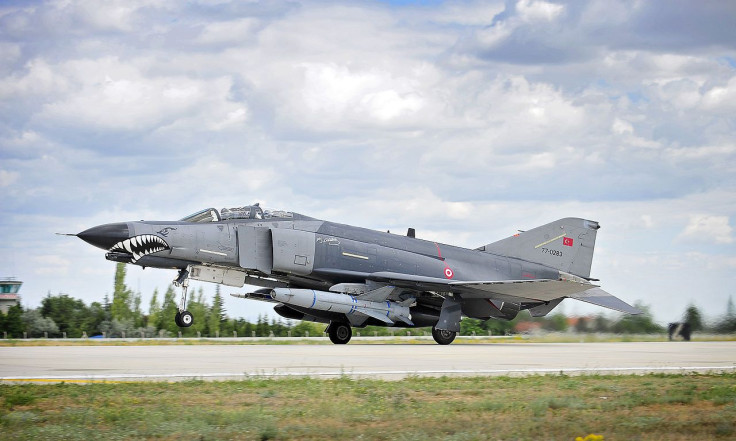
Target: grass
668, 407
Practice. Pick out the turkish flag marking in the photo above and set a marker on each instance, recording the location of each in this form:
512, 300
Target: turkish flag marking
567, 241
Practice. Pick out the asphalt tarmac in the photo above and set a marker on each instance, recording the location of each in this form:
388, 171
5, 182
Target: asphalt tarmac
390, 361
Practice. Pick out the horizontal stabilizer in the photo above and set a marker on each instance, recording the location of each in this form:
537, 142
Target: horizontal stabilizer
599, 297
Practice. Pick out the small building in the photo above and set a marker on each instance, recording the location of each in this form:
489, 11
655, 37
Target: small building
9, 293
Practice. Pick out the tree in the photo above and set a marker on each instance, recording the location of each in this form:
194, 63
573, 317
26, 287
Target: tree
470, 325
137, 313
68, 313
154, 309
106, 306
303, 328
118, 328
262, 326
216, 316
694, 318
499, 326
39, 326
637, 324
223, 311
168, 311
582, 325
727, 324
556, 322
601, 323
13, 323
91, 323
122, 298
199, 310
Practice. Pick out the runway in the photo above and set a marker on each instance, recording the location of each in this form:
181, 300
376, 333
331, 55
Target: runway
219, 362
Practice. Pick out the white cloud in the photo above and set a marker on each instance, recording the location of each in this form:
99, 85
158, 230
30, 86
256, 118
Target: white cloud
531, 10
7, 178
721, 98
333, 93
239, 31
110, 94
708, 228
51, 265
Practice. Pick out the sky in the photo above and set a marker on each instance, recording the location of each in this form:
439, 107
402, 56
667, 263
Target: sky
465, 120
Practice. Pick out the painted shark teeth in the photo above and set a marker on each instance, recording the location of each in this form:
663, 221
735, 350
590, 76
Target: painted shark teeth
140, 246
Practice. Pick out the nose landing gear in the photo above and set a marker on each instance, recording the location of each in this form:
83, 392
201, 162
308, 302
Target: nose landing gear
183, 318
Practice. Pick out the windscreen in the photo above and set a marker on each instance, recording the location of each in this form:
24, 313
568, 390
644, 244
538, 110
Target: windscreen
204, 216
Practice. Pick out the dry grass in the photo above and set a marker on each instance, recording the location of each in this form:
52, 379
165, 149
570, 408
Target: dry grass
669, 407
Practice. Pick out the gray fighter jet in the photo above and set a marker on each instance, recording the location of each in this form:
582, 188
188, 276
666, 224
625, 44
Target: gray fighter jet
348, 277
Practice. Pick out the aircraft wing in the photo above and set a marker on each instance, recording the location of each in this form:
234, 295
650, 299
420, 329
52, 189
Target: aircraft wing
541, 290
537, 290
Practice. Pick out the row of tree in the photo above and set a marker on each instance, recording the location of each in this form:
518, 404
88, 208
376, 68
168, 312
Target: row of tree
62, 315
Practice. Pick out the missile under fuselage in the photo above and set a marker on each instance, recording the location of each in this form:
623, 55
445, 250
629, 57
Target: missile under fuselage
386, 311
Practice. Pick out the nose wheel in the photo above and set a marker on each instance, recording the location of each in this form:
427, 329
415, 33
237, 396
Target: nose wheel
183, 318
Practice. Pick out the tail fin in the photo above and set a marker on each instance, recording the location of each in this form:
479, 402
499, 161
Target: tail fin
566, 244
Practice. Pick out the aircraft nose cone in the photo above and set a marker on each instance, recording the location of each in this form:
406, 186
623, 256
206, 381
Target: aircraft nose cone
105, 236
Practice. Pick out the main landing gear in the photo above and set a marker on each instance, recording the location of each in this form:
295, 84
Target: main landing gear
443, 337
339, 333
183, 318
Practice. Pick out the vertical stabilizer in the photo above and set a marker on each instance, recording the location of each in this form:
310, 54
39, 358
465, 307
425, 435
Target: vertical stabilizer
566, 244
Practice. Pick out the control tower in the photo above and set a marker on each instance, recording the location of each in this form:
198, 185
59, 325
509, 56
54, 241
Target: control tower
9, 297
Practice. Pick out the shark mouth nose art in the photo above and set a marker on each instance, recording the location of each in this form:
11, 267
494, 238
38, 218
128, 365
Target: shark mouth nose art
140, 246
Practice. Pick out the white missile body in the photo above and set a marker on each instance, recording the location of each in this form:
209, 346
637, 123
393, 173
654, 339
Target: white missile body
386, 311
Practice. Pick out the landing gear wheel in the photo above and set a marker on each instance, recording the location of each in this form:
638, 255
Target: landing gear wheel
442, 336
177, 319
186, 319
340, 333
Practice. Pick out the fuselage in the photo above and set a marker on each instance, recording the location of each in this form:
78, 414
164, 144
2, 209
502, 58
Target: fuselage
316, 253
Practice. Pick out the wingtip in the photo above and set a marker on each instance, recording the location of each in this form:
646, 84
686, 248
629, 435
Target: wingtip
600, 297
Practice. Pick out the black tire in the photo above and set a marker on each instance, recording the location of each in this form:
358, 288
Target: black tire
186, 319
443, 337
340, 333
177, 319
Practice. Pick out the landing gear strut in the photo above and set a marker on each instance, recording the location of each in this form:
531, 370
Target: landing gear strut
339, 333
183, 318
443, 337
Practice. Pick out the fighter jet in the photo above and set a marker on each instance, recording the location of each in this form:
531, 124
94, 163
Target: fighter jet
348, 276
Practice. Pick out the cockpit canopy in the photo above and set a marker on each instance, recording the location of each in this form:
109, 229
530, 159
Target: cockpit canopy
246, 212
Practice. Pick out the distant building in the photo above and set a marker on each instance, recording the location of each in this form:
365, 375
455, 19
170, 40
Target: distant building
9, 293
